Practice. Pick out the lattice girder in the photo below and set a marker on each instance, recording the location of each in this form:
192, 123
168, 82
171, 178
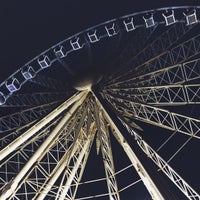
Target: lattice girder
176, 74
35, 99
185, 188
51, 83
19, 119
148, 182
161, 95
158, 47
157, 116
108, 159
43, 148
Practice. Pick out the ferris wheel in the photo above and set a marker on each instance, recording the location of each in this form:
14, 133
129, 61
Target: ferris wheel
126, 91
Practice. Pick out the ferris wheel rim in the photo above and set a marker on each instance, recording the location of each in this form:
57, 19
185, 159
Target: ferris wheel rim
87, 30
31, 72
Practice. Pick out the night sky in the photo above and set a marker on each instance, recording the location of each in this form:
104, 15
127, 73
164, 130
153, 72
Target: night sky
29, 27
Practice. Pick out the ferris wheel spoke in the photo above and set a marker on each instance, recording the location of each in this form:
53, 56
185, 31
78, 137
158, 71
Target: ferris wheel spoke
148, 182
64, 168
14, 163
40, 174
38, 138
176, 74
11, 135
108, 159
41, 151
179, 54
93, 131
157, 116
143, 35
185, 188
20, 119
35, 99
77, 164
169, 95
161, 44
48, 82
65, 142
88, 49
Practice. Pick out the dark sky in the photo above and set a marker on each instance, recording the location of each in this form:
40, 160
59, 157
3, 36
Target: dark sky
29, 27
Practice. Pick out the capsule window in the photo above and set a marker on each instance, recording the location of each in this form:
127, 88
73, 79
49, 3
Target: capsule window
13, 85
44, 62
149, 22
169, 19
129, 25
60, 52
111, 30
28, 72
93, 37
191, 19
75, 44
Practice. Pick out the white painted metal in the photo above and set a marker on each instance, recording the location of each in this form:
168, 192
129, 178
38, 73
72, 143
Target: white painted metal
108, 159
169, 95
148, 182
157, 116
44, 147
55, 174
73, 171
189, 192
28, 134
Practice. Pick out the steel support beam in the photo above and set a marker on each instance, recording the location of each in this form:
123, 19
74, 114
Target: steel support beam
153, 50
108, 159
185, 188
148, 182
29, 133
157, 116
43, 148
169, 95
35, 99
16, 120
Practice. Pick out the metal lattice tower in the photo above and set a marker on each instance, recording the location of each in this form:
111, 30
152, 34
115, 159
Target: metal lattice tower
149, 81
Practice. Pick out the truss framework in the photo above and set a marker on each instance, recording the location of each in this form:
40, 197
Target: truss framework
178, 54
156, 116
35, 99
161, 95
108, 159
50, 83
51, 159
162, 43
189, 192
175, 74
20, 119
158, 50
